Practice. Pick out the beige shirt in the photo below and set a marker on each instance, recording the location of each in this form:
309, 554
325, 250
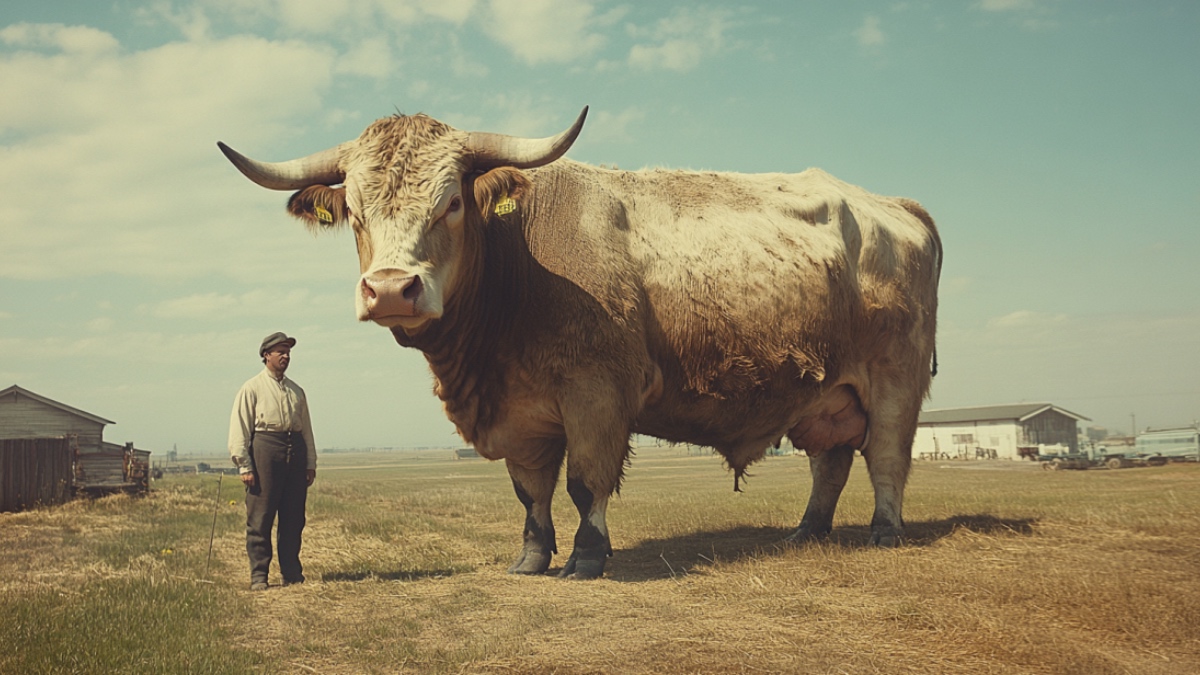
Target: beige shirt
267, 404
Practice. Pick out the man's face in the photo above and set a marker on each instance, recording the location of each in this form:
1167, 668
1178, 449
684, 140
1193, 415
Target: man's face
278, 358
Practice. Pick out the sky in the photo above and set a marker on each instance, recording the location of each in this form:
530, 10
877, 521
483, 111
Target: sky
1055, 142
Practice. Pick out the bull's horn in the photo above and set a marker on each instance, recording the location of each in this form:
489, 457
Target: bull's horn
491, 150
319, 168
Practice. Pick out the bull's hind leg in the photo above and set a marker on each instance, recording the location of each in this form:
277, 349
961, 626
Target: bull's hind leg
830, 469
535, 489
889, 457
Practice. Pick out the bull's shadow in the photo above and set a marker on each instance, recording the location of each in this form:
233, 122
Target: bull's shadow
663, 558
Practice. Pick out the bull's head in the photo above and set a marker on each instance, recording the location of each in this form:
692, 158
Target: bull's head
401, 187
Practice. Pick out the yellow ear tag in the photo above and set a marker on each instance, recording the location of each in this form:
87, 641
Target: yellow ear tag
323, 215
505, 206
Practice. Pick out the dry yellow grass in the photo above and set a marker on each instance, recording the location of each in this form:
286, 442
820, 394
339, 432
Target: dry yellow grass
1006, 570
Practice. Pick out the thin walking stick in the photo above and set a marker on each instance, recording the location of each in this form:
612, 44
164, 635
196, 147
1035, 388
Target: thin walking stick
212, 533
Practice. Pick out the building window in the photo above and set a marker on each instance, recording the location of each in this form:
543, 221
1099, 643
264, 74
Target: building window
963, 439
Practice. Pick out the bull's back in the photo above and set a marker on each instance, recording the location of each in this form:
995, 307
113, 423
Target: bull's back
748, 288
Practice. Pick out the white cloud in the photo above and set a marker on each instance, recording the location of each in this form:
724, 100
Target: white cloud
870, 34
1005, 5
75, 40
101, 324
679, 42
1025, 320
371, 57
462, 64
544, 31
515, 115
456, 11
319, 16
191, 22
677, 55
202, 306
109, 156
956, 285
1029, 14
608, 127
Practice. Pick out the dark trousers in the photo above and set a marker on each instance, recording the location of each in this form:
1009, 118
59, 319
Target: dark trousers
281, 487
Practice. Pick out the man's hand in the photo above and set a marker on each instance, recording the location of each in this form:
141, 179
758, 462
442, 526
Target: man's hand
248, 478
311, 475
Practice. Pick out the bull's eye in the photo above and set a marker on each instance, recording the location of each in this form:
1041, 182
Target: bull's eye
455, 204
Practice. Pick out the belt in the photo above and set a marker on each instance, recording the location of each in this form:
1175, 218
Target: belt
282, 435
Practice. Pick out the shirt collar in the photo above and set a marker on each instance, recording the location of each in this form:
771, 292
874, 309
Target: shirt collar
271, 376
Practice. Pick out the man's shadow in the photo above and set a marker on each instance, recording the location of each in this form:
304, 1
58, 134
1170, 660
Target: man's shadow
674, 556
389, 575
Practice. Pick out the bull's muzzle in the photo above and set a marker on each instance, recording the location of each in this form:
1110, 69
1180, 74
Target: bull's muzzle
390, 293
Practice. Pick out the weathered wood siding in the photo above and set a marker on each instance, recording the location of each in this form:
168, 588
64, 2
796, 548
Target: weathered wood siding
34, 471
1051, 428
23, 417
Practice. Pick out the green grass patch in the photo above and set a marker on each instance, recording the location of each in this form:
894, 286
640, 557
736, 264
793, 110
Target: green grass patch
135, 624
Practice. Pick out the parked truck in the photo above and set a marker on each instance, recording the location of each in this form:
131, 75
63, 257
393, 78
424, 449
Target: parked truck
1097, 457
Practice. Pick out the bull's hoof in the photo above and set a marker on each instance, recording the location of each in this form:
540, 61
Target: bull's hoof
582, 568
806, 533
887, 538
531, 561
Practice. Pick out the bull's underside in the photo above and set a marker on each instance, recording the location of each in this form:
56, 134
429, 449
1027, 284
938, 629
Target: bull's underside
563, 308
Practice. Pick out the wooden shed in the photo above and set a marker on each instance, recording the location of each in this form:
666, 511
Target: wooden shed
96, 465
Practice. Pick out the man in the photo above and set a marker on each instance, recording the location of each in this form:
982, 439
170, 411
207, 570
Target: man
271, 442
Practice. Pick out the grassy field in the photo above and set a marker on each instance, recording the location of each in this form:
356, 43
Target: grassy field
1007, 569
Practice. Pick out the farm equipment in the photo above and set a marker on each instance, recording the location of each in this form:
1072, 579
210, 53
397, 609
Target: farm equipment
1126, 461
1068, 461
1084, 461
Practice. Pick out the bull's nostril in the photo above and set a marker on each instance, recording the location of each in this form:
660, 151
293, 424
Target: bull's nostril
413, 290
390, 292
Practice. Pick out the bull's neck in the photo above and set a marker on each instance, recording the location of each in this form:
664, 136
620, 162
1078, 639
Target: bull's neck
471, 346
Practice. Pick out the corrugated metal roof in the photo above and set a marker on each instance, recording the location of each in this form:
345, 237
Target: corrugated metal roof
992, 413
50, 402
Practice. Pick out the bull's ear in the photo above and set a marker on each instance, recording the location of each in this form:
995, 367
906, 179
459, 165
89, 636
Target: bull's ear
498, 191
319, 206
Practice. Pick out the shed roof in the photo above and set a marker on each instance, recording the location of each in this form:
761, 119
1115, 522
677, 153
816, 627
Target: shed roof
15, 390
993, 413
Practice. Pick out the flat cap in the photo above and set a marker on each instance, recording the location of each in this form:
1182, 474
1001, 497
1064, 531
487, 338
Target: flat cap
275, 339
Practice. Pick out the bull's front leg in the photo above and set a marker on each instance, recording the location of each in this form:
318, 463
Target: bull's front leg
597, 449
592, 547
535, 489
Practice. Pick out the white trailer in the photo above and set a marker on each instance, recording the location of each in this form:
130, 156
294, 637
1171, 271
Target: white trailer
1181, 444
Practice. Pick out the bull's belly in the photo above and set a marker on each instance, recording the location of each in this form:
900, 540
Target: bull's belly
836, 419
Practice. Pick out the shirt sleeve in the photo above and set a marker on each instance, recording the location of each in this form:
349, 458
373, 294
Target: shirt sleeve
241, 429
306, 429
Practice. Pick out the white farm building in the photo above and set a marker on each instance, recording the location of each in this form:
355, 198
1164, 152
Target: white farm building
995, 432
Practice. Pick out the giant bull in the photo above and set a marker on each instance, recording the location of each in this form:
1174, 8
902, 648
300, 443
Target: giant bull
563, 307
